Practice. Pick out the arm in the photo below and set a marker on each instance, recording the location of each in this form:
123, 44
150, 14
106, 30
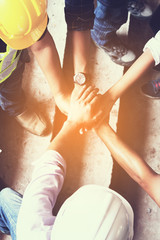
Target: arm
48, 60
81, 50
146, 61
139, 67
129, 160
35, 220
79, 18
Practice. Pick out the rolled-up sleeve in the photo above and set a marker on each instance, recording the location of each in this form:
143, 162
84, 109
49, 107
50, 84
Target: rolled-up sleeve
154, 46
35, 220
79, 15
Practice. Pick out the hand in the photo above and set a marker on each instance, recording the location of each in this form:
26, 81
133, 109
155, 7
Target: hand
103, 107
83, 100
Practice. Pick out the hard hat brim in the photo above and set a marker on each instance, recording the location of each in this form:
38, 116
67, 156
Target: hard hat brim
28, 40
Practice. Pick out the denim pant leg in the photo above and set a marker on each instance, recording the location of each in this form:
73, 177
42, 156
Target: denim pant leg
12, 97
79, 14
109, 16
154, 22
10, 202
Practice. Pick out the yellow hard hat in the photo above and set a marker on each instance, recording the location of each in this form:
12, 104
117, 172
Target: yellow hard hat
22, 22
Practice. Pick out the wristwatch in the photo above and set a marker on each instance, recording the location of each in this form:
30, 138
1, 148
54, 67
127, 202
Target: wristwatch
80, 78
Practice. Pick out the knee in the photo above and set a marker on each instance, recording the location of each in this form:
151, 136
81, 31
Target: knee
6, 193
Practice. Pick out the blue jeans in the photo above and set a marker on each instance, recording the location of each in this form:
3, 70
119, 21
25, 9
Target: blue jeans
10, 202
154, 23
12, 97
79, 14
109, 16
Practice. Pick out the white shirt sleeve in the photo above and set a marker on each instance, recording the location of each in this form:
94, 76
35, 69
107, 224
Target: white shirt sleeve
154, 46
35, 220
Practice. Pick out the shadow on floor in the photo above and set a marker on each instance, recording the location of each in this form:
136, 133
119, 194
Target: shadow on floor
11, 145
133, 124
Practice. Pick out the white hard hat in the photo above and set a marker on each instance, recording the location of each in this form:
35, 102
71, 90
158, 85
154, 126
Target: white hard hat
94, 213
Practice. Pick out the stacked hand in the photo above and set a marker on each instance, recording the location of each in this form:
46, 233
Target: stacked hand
88, 108
82, 106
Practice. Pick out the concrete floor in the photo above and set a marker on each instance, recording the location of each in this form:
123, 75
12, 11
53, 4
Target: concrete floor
90, 161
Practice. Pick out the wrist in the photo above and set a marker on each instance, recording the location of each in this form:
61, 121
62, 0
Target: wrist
110, 98
81, 78
71, 125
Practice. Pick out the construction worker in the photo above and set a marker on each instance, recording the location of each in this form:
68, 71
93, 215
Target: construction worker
92, 212
23, 24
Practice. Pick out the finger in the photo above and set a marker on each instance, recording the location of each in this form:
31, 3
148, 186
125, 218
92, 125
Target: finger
78, 91
91, 96
87, 91
96, 99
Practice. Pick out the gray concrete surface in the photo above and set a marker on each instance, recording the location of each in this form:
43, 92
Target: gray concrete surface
90, 161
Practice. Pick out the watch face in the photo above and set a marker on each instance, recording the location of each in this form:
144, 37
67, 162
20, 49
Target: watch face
79, 78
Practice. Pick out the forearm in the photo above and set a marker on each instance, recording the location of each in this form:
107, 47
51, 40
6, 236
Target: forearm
139, 67
129, 160
47, 56
81, 50
64, 140
35, 220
